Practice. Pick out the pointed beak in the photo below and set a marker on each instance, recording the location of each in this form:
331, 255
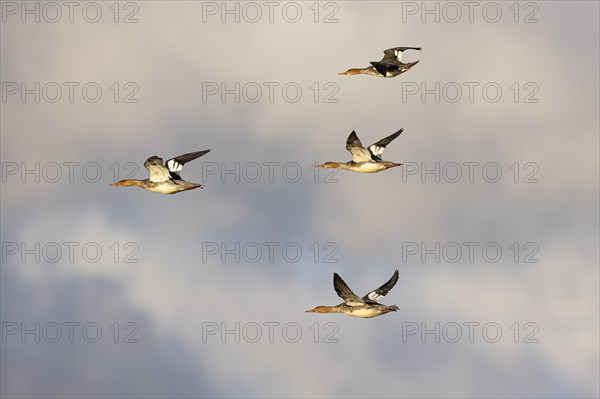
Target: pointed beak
343, 73
309, 311
114, 184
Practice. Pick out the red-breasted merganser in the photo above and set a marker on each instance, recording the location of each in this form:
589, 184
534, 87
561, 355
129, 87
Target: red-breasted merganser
165, 179
389, 66
365, 160
353, 305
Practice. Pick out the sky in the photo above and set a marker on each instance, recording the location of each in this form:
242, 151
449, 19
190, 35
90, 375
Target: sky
492, 220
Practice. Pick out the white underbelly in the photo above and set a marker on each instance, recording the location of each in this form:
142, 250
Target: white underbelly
165, 188
363, 312
370, 167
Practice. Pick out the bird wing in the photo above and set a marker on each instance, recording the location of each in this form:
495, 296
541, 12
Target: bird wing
158, 173
344, 292
384, 67
394, 55
175, 165
359, 153
377, 149
383, 290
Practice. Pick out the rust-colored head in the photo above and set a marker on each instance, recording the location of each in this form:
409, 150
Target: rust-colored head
127, 183
328, 165
320, 309
352, 71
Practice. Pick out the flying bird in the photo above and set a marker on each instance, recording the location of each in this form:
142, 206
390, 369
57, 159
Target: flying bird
390, 65
165, 179
364, 307
365, 160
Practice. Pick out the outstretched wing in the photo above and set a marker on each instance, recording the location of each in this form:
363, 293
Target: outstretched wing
353, 141
394, 55
377, 149
384, 67
344, 292
158, 173
383, 290
359, 153
175, 165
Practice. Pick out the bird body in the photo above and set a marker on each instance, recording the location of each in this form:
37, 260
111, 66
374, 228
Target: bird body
365, 307
365, 160
388, 67
165, 179
167, 187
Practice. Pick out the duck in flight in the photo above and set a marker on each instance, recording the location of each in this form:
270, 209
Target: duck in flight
165, 178
353, 305
365, 160
390, 65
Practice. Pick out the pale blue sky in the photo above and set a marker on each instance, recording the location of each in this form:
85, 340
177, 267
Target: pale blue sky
543, 126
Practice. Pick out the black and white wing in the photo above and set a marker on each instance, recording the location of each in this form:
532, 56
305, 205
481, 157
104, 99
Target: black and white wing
394, 55
158, 173
384, 67
344, 292
377, 149
175, 165
359, 153
392, 60
383, 290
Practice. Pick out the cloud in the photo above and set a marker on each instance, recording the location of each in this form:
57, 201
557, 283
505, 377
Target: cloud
175, 291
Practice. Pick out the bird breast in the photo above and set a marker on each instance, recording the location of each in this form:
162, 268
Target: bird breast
364, 312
